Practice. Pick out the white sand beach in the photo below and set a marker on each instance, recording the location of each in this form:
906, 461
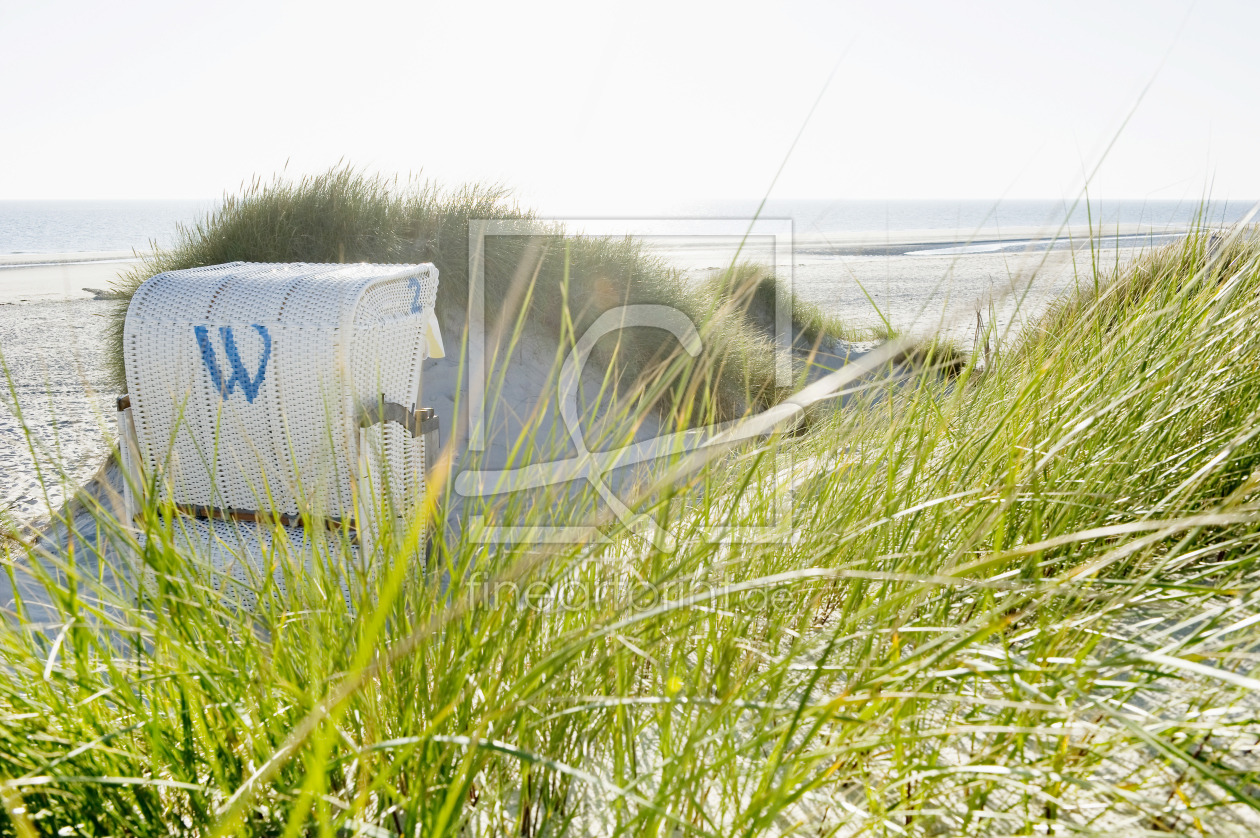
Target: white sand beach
60, 427
34, 277
52, 341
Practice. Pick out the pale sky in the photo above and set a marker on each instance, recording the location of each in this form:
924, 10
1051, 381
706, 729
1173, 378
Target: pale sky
609, 108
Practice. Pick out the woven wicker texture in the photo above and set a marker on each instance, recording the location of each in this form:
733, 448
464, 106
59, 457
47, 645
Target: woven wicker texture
246, 382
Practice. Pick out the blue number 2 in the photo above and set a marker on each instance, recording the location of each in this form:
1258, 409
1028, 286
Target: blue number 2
240, 375
414, 284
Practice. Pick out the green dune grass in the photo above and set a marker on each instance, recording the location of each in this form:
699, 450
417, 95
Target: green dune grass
1025, 601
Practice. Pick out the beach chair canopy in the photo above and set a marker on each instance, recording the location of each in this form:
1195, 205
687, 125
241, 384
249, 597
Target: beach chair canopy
279, 388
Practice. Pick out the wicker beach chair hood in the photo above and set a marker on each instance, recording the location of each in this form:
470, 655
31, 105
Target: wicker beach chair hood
269, 389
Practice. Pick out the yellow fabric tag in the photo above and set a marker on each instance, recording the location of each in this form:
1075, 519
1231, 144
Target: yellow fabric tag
433, 334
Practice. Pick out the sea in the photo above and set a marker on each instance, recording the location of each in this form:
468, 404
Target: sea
73, 227
910, 265
976, 217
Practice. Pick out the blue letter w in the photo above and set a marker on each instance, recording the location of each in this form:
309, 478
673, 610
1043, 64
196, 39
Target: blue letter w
240, 375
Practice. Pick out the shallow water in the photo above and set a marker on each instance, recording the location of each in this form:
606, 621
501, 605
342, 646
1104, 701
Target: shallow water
925, 294
73, 226
912, 291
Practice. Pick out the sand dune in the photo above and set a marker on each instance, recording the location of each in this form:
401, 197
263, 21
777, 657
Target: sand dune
52, 339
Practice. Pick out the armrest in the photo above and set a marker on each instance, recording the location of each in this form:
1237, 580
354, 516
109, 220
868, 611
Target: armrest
416, 422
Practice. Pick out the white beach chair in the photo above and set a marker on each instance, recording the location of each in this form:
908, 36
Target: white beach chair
265, 394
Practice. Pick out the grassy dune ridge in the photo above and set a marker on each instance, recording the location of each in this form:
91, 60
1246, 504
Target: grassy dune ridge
1020, 600
345, 215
